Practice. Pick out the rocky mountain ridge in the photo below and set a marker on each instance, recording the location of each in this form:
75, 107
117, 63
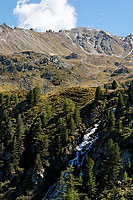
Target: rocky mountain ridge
78, 40
78, 57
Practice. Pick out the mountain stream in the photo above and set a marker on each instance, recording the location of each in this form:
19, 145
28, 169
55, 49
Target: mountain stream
88, 140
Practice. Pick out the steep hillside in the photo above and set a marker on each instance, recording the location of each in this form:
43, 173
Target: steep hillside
77, 40
89, 132
27, 69
81, 56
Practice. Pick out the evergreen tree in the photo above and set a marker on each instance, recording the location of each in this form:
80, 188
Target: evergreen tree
72, 126
106, 89
69, 106
121, 100
10, 131
130, 92
44, 119
49, 112
20, 127
114, 193
68, 184
16, 154
1, 98
11, 168
30, 98
77, 117
62, 131
111, 164
14, 97
58, 145
114, 85
120, 104
125, 176
107, 114
36, 92
20, 133
111, 121
45, 149
120, 126
7, 99
98, 94
89, 180
1, 148
5, 116
38, 162
86, 198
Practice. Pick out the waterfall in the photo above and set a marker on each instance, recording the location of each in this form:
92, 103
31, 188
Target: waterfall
88, 140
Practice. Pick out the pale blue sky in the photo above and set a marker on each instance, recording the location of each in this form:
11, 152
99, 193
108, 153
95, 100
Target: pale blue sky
114, 16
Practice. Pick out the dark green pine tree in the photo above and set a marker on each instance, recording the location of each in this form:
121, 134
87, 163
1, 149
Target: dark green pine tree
15, 98
20, 127
69, 106
106, 89
49, 112
16, 154
72, 126
120, 104
62, 131
44, 119
9, 131
45, 149
107, 114
37, 93
98, 94
77, 117
1, 98
68, 186
86, 198
130, 92
20, 133
58, 145
114, 194
5, 116
111, 164
38, 136
7, 99
89, 180
111, 120
30, 98
38, 162
114, 85
120, 127
1, 148
125, 176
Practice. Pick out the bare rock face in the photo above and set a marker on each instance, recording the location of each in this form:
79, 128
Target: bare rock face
77, 40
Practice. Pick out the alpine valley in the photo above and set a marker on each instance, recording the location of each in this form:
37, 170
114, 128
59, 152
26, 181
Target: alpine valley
66, 115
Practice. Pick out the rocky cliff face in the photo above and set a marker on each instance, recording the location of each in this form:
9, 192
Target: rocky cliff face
77, 40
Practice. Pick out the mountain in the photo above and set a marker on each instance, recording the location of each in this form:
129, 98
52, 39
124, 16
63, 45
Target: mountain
78, 40
66, 110
81, 56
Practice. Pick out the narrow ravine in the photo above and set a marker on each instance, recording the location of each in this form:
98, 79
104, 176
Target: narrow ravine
88, 140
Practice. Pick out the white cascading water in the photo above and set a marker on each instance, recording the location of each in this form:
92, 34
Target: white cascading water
88, 140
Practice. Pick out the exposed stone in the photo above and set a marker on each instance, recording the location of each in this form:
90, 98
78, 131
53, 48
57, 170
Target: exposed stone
72, 56
123, 71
